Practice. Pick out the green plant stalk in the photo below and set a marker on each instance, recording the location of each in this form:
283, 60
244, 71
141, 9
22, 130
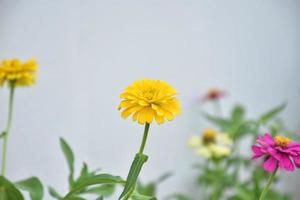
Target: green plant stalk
217, 106
8, 125
145, 136
136, 167
218, 183
266, 189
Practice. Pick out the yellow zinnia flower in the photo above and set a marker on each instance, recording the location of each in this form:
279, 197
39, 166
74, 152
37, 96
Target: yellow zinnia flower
18, 72
147, 100
212, 144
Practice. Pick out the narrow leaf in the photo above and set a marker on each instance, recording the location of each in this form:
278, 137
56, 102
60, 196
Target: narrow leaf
65, 147
164, 177
271, 114
104, 190
133, 174
137, 196
238, 113
222, 123
95, 180
8, 191
54, 193
2, 134
32, 185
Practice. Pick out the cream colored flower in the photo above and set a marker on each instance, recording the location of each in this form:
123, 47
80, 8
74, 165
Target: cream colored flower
211, 144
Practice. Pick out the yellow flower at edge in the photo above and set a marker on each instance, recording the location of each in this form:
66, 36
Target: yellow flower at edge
18, 72
211, 144
147, 100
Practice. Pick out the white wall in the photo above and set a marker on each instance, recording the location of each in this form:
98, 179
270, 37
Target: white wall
89, 51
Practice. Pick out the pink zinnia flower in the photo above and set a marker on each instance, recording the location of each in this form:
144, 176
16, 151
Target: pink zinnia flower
278, 152
214, 94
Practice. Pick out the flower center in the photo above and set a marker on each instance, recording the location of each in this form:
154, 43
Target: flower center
282, 141
213, 93
149, 94
209, 136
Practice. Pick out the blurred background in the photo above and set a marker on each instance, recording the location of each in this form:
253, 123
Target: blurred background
89, 51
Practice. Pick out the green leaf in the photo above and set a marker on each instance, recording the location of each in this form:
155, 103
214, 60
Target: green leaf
223, 124
77, 198
146, 189
150, 188
238, 113
32, 185
134, 172
137, 196
8, 191
85, 173
164, 177
104, 190
54, 193
70, 159
94, 180
266, 117
2, 134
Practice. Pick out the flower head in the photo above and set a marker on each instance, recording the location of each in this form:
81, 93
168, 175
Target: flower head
279, 152
214, 94
148, 99
211, 144
18, 72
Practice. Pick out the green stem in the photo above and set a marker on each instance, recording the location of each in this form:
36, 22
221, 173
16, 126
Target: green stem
217, 183
8, 125
266, 189
146, 130
217, 105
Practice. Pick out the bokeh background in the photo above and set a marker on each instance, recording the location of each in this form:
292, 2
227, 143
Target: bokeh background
90, 50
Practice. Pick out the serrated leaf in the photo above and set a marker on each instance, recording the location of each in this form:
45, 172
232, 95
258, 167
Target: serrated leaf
54, 193
8, 191
32, 185
271, 114
94, 180
69, 155
133, 174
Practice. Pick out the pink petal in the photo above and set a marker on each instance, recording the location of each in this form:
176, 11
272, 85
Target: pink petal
273, 152
296, 161
286, 163
260, 140
270, 164
268, 139
257, 152
287, 151
294, 146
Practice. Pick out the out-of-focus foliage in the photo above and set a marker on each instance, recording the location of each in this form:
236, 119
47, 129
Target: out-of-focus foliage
220, 179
